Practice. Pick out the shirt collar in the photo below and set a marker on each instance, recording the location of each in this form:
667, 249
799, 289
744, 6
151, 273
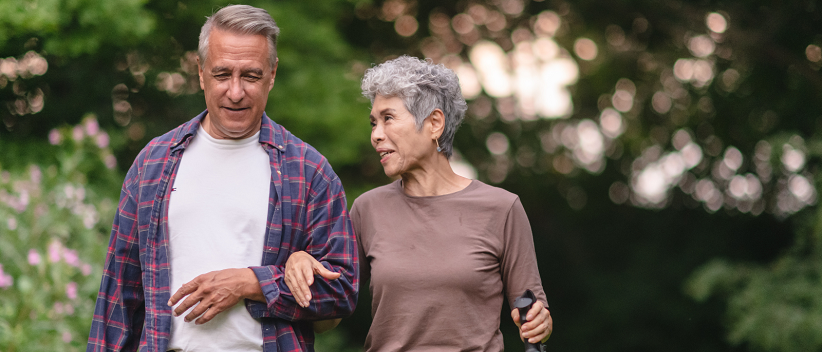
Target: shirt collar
270, 133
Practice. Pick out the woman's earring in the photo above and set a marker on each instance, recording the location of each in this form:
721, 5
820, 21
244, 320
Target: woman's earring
438, 144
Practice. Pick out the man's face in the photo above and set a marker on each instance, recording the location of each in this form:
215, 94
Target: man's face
236, 79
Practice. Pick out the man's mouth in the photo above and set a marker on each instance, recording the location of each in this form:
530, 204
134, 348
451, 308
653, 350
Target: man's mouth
383, 154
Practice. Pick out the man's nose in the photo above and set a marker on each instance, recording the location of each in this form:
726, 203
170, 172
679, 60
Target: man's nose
236, 91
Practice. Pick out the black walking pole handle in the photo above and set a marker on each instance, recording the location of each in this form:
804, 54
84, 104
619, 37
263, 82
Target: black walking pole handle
523, 304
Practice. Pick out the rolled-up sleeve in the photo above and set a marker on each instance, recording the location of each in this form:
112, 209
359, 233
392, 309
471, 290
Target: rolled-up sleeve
329, 238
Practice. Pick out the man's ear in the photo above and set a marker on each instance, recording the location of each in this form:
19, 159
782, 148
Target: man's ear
200, 72
273, 73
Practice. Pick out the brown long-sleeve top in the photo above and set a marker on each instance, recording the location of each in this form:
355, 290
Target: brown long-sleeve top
439, 266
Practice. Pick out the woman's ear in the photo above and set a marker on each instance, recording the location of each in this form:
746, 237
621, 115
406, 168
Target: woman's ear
437, 122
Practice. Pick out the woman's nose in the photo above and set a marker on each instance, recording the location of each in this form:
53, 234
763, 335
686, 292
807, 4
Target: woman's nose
377, 134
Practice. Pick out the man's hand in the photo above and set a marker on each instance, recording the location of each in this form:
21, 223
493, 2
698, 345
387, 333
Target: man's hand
539, 326
299, 274
216, 292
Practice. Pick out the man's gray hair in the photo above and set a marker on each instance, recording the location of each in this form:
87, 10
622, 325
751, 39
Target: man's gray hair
241, 19
423, 87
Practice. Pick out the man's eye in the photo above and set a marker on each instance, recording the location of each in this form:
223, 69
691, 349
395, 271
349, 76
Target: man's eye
372, 123
222, 76
252, 78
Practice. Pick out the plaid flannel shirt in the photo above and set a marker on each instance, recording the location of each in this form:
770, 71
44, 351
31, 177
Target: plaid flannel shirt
306, 211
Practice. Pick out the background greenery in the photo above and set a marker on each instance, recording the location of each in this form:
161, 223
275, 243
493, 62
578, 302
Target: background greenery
692, 264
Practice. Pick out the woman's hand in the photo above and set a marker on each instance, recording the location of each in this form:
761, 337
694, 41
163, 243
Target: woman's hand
539, 325
299, 274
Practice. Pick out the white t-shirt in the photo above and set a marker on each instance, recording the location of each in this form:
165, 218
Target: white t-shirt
217, 220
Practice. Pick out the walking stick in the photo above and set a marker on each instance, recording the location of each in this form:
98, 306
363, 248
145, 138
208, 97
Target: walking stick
524, 304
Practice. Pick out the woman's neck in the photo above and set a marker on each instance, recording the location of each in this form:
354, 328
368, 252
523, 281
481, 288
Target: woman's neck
434, 178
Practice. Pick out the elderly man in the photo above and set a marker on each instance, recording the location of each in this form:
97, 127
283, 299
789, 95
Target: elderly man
210, 212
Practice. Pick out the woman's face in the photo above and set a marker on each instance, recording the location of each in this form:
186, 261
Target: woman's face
402, 148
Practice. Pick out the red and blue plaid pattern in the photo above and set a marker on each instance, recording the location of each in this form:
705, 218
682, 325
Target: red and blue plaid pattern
306, 211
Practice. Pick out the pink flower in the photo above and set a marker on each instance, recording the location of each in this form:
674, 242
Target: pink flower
71, 290
58, 308
55, 248
12, 224
36, 174
102, 140
85, 269
77, 133
54, 137
92, 127
5, 279
71, 258
67, 337
110, 161
34, 257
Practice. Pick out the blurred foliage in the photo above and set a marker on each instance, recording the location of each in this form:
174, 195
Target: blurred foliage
777, 307
56, 215
73, 28
613, 251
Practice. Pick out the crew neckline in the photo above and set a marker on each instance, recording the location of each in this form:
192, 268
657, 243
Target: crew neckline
230, 143
474, 184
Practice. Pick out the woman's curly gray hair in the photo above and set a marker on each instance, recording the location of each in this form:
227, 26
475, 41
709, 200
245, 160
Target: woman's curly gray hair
423, 87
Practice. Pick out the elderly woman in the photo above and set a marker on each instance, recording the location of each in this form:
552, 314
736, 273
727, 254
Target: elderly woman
441, 251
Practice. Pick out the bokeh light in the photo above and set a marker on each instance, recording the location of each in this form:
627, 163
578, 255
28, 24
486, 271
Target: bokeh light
497, 143
716, 22
585, 49
813, 53
406, 26
701, 46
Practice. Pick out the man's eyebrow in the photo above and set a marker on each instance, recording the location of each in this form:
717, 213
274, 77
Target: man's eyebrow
218, 69
255, 71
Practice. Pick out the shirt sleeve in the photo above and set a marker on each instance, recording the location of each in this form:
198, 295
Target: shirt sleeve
330, 240
362, 260
119, 312
519, 260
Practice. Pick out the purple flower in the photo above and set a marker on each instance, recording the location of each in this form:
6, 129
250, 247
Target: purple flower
54, 137
71, 290
34, 257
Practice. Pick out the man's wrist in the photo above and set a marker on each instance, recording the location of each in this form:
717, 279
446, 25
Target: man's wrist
253, 290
